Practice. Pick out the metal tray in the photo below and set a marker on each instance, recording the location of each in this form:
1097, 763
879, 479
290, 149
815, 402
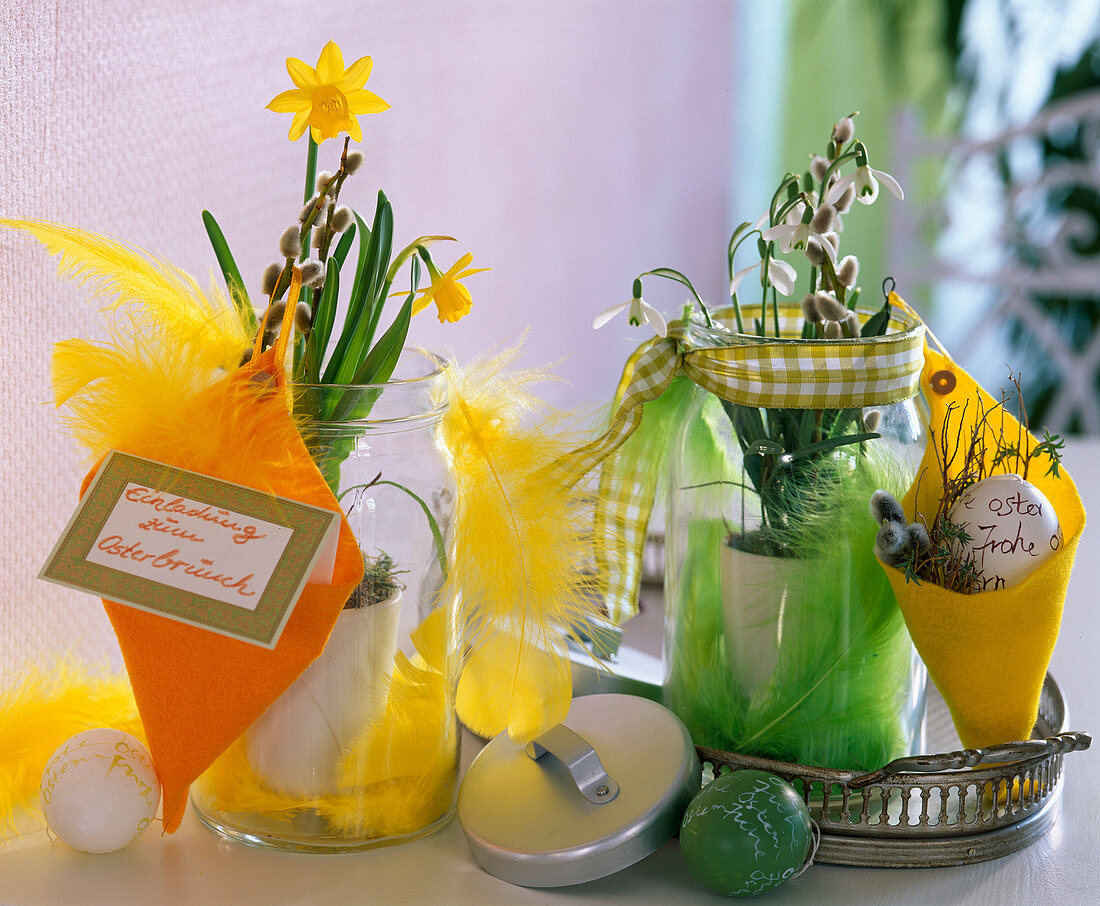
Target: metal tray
966, 806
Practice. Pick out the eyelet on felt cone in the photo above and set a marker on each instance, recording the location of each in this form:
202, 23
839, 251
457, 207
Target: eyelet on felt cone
943, 382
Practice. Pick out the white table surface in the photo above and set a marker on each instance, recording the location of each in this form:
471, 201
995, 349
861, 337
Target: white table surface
194, 866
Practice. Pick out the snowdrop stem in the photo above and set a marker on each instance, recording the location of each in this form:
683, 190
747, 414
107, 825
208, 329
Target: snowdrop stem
735, 245
783, 186
812, 290
736, 238
669, 274
834, 165
831, 281
705, 311
800, 198
766, 249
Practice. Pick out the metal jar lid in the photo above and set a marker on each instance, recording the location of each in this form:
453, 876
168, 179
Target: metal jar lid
589, 797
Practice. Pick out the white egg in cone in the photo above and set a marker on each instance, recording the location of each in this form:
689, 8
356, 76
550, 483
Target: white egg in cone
1012, 528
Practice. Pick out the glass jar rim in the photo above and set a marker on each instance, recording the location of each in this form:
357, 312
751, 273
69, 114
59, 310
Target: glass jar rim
439, 367
719, 332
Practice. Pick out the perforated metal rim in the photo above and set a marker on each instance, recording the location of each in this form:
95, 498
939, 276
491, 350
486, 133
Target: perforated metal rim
994, 810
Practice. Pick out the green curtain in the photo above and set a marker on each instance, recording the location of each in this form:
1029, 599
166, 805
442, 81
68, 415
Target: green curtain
873, 56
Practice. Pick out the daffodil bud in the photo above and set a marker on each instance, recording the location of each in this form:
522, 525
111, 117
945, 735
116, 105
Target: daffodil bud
809, 309
818, 167
270, 278
823, 219
829, 308
353, 161
303, 318
814, 253
844, 131
847, 271
290, 243
341, 218
312, 272
322, 180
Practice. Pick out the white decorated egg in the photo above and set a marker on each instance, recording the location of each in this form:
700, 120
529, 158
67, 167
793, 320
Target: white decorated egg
99, 790
1012, 527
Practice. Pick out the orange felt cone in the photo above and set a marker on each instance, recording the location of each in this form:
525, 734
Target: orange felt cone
987, 653
197, 690
166, 386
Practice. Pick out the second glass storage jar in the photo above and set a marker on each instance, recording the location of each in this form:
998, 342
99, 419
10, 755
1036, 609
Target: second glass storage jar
783, 639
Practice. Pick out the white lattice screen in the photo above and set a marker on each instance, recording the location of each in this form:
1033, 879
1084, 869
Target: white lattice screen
999, 238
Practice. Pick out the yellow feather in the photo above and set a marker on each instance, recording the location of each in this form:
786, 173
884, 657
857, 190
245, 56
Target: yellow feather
233, 785
38, 714
539, 679
168, 342
520, 541
155, 293
404, 763
168, 339
398, 774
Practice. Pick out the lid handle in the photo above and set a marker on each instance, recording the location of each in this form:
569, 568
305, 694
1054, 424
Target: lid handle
579, 758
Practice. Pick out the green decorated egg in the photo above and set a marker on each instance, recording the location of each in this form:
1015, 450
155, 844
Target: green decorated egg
745, 832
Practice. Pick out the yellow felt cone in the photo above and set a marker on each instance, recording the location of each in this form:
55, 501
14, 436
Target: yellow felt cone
987, 653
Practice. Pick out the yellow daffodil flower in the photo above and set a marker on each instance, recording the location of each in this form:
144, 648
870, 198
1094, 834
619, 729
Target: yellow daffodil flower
329, 98
451, 298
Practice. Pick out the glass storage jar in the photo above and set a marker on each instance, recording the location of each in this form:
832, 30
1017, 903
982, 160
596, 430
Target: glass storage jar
362, 750
783, 639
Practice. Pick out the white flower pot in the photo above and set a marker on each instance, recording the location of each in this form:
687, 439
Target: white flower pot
295, 747
755, 590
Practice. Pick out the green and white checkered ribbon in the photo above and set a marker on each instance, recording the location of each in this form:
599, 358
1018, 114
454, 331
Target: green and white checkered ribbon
786, 373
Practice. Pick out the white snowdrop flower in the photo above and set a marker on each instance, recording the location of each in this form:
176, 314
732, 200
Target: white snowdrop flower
640, 312
865, 180
779, 274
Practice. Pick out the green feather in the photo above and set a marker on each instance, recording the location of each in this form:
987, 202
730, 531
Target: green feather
838, 693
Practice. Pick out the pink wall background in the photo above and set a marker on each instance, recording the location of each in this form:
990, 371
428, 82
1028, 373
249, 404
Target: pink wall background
569, 145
